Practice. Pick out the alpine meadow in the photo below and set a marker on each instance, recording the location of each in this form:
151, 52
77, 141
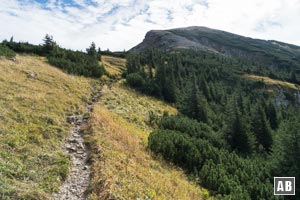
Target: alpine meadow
188, 113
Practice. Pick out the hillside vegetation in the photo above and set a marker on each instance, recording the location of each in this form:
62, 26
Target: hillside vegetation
222, 112
114, 66
6, 52
274, 55
72, 62
34, 102
225, 134
123, 168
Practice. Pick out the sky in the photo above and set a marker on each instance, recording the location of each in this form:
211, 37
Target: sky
119, 25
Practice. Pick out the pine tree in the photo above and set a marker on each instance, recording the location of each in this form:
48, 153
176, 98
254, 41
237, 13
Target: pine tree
272, 115
161, 76
205, 89
170, 90
91, 51
261, 128
151, 64
150, 70
293, 77
196, 105
49, 44
99, 54
133, 63
237, 134
286, 150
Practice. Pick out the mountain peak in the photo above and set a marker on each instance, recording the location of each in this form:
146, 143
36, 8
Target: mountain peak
220, 42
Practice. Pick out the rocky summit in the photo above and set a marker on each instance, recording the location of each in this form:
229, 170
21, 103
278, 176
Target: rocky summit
266, 52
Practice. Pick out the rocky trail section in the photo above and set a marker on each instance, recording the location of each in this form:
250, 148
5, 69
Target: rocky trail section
78, 180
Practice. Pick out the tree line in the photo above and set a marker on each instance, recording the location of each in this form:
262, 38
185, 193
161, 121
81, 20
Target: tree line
72, 62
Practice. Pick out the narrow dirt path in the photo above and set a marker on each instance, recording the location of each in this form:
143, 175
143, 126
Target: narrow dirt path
78, 179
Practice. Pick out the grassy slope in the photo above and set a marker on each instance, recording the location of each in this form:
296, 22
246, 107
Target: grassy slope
114, 66
33, 127
270, 81
123, 168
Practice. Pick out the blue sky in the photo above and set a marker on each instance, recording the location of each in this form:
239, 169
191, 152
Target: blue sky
121, 24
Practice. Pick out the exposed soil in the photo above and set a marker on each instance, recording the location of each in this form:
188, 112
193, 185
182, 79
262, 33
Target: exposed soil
78, 180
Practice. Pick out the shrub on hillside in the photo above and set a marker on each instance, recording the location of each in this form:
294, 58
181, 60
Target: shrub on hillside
72, 62
7, 52
135, 80
24, 47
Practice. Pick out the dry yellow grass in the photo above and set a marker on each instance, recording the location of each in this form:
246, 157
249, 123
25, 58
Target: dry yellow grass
114, 66
133, 106
33, 127
122, 167
270, 81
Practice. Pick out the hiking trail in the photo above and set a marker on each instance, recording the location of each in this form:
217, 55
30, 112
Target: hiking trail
78, 179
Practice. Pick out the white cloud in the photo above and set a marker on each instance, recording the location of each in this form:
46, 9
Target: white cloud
119, 25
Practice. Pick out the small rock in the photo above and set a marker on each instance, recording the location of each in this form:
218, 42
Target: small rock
80, 146
32, 75
14, 59
70, 119
72, 140
80, 152
78, 123
71, 148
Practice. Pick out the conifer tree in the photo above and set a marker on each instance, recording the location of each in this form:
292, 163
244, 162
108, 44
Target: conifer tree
261, 128
238, 136
91, 51
293, 76
272, 115
205, 89
169, 90
286, 150
49, 44
151, 64
196, 105
99, 54
161, 76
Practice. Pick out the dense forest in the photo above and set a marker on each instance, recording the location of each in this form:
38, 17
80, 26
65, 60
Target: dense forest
72, 62
233, 135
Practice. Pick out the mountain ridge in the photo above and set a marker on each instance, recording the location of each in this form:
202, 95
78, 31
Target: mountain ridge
266, 52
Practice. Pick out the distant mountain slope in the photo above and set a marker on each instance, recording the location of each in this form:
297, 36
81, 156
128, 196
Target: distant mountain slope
267, 52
